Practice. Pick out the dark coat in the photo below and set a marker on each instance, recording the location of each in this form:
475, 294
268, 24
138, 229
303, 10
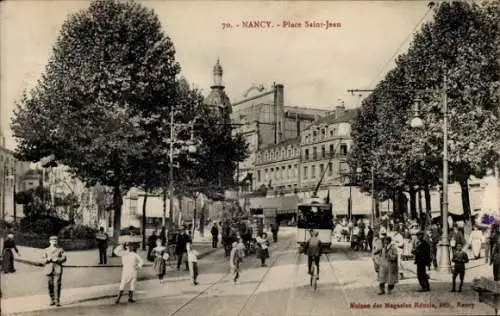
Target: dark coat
180, 245
423, 253
388, 268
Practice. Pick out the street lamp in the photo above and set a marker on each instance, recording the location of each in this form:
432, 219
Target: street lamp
416, 122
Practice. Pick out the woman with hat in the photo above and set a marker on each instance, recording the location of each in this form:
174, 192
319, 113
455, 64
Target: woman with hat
9, 246
388, 270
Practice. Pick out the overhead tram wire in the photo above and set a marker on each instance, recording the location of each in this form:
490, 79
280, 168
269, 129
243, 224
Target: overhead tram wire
401, 45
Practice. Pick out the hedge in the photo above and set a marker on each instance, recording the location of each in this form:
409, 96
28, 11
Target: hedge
42, 241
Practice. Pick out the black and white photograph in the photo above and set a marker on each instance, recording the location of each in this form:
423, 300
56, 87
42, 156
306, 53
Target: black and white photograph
249, 158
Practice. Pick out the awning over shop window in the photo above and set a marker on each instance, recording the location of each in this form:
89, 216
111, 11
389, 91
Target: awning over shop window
279, 205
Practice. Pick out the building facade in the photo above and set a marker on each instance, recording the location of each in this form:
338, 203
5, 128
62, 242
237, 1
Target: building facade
264, 120
11, 171
298, 164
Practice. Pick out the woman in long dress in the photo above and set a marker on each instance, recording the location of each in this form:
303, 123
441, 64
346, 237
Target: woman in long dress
388, 270
9, 246
407, 245
475, 240
160, 255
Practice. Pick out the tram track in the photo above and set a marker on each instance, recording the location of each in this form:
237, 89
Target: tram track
226, 275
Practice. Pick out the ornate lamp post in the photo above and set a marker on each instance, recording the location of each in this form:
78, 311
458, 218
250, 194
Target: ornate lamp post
417, 123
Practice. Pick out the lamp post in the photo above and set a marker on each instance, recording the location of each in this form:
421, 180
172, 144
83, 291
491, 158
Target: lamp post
175, 128
416, 122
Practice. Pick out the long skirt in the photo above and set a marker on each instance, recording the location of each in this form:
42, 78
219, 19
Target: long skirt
160, 267
476, 247
8, 260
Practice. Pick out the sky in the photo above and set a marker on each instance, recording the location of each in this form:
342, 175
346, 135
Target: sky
316, 65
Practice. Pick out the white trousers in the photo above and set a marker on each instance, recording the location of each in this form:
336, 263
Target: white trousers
129, 279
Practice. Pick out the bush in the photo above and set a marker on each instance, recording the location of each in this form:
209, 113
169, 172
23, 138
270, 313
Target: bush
130, 230
77, 232
46, 225
42, 241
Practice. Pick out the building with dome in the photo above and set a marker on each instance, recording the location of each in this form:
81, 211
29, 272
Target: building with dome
217, 98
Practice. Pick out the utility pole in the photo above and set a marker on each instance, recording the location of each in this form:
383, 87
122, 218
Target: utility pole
171, 173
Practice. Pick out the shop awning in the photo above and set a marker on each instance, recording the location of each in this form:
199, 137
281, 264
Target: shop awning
278, 205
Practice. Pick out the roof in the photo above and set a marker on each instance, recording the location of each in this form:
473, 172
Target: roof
292, 141
346, 117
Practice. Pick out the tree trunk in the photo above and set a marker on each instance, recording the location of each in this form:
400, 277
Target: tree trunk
464, 186
143, 222
419, 201
117, 216
413, 203
427, 195
377, 208
441, 202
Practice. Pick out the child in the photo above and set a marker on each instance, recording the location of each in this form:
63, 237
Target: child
460, 258
131, 262
192, 255
160, 262
234, 261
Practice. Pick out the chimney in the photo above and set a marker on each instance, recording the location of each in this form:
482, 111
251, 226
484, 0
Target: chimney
279, 103
339, 109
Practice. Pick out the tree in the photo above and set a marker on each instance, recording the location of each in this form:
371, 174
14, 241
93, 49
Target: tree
107, 88
460, 43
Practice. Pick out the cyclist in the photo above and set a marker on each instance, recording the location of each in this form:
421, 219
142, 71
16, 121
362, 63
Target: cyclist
313, 250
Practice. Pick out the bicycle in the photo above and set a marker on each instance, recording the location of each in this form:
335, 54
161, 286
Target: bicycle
314, 276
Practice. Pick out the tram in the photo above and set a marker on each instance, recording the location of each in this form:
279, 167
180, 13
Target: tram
317, 215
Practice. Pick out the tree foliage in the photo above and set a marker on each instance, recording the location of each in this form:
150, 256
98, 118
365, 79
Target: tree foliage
103, 105
112, 70
460, 43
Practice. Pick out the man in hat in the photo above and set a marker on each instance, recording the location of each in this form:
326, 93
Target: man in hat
423, 261
53, 257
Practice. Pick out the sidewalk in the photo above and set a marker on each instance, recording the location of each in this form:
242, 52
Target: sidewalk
174, 287
90, 258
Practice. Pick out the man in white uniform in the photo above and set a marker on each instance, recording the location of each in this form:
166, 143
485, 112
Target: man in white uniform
131, 262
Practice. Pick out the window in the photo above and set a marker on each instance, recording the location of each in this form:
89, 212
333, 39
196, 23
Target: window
321, 168
289, 153
323, 152
343, 149
290, 172
283, 173
295, 170
331, 133
266, 156
330, 169
315, 153
258, 175
332, 150
315, 134
272, 155
277, 174
313, 172
305, 172
295, 151
306, 154
323, 133
283, 154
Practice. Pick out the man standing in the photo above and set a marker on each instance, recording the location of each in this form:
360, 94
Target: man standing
180, 248
423, 260
274, 231
53, 257
102, 244
435, 237
215, 235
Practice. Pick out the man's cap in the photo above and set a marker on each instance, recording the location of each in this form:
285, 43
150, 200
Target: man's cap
53, 238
